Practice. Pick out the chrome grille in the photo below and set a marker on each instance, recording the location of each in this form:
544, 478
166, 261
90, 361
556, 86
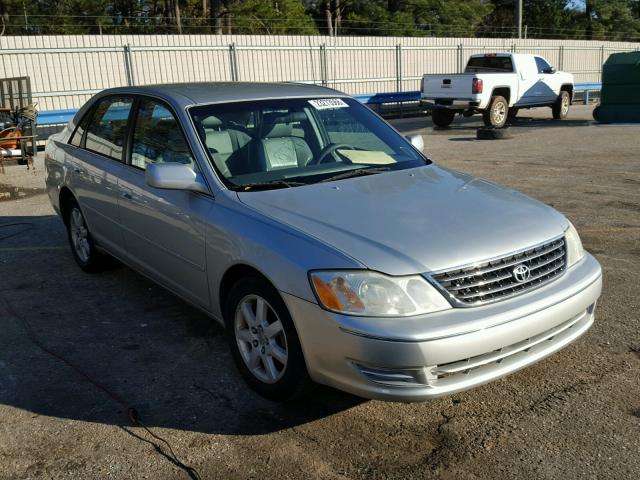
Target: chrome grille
495, 280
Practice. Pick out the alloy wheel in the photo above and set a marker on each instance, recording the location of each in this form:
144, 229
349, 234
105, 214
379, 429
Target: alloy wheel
261, 339
79, 235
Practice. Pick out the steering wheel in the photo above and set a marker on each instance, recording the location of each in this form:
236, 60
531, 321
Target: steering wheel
326, 151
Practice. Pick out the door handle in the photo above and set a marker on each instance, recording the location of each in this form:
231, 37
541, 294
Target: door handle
79, 171
127, 195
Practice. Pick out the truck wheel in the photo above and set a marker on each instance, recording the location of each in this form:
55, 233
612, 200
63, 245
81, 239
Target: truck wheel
442, 117
560, 109
496, 113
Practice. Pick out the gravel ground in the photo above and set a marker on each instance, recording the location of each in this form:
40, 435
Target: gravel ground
574, 415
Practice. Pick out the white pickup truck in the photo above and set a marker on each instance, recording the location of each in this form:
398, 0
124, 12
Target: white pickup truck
497, 85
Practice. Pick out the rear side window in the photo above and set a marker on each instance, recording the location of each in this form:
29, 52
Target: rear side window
76, 139
157, 137
489, 63
542, 65
107, 129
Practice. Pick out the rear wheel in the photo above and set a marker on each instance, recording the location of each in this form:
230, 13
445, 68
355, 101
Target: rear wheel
263, 340
83, 247
560, 109
496, 113
442, 117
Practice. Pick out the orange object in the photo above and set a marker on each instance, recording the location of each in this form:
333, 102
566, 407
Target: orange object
6, 139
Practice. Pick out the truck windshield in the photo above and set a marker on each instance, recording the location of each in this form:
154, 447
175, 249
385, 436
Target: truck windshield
290, 142
489, 64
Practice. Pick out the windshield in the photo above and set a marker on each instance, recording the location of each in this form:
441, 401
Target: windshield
292, 142
489, 63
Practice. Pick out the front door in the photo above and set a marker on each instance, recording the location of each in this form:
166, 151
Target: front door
164, 230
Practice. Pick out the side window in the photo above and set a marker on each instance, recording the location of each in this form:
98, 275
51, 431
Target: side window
76, 138
542, 65
157, 137
107, 129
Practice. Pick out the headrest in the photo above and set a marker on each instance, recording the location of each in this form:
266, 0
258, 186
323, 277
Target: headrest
276, 124
211, 122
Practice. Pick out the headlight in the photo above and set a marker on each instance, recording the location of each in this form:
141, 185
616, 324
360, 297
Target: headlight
575, 252
374, 294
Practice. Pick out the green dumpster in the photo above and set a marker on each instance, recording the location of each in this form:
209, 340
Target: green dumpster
620, 97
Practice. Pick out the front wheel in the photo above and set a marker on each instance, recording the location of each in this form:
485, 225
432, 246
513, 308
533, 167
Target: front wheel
442, 117
496, 113
263, 340
560, 108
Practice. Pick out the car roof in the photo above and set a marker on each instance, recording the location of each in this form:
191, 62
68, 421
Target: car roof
194, 93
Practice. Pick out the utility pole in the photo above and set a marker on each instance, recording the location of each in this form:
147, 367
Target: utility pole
519, 17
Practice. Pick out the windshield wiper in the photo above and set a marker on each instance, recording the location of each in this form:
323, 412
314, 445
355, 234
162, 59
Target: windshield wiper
269, 185
358, 172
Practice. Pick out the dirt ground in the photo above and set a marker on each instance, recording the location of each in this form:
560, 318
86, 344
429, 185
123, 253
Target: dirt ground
574, 415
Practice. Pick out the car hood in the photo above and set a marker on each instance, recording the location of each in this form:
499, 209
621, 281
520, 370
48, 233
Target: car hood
416, 220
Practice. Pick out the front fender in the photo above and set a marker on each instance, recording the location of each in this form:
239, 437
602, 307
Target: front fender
237, 235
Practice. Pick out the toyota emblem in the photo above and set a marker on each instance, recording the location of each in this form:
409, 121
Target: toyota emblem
521, 273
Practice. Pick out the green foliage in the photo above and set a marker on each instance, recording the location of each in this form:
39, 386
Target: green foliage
597, 19
271, 17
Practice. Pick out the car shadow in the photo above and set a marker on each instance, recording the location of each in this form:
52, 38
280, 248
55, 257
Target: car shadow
471, 124
73, 344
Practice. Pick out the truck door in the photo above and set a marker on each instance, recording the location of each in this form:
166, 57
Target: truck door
530, 81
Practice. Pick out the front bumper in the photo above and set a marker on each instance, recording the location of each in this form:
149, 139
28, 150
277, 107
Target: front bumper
418, 358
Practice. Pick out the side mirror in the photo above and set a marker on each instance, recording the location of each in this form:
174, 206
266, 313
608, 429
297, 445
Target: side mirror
416, 141
174, 176
549, 70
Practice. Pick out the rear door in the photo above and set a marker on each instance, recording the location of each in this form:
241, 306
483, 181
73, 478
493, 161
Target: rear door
95, 155
164, 230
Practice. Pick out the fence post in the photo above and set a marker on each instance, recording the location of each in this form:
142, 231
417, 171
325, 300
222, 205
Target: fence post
459, 58
398, 67
128, 66
233, 62
323, 65
561, 58
601, 60
514, 48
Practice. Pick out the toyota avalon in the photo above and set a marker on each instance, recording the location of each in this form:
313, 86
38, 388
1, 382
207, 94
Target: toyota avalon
329, 246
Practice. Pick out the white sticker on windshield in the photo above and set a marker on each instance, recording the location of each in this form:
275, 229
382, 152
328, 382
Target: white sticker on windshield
327, 103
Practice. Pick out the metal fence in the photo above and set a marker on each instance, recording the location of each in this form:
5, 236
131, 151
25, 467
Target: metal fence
66, 70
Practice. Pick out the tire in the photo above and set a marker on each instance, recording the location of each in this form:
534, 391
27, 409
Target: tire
560, 108
496, 113
82, 244
442, 117
265, 347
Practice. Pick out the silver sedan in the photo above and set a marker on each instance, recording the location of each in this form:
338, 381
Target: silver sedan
331, 248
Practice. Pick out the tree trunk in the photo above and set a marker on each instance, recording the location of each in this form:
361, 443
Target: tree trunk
178, 20
216, 13
589, 14
338, 16
329, 17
